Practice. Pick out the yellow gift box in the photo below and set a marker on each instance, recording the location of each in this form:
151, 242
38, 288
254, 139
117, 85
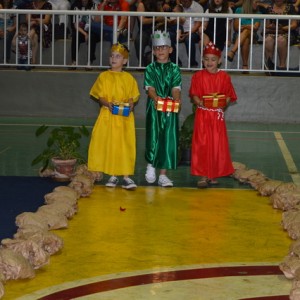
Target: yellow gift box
214, 100
167, 105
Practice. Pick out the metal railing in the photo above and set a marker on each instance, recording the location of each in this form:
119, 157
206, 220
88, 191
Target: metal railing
58, 55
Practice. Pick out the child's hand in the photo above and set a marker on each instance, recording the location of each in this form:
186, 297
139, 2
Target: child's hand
110, 106
131, 105
227, 104
183, 36
156, 99
200, 103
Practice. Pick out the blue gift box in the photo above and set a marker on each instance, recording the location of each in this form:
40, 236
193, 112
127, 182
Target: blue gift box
121, 109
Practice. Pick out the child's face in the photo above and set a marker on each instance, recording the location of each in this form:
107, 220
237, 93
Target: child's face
218, 2
117, 61
162, 53
211, 62
23, 31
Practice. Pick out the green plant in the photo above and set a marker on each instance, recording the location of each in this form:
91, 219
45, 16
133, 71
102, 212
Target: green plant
63, 143
185, 139
186, 131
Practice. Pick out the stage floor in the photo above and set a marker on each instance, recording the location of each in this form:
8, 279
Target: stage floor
155, 243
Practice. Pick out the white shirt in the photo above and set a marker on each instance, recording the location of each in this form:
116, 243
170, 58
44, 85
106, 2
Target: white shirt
218, 10
194, 8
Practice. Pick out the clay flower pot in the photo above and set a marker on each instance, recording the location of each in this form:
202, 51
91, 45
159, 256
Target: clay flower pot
64, 169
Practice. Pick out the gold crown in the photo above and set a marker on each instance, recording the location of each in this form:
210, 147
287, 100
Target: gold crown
122, 49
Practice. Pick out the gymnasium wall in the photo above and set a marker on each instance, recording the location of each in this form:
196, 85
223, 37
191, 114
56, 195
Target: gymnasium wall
65, 94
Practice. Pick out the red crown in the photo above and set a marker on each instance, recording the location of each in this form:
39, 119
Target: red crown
210, 48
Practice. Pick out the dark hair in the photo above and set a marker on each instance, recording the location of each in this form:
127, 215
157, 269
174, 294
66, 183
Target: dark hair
23, 25
10, 4
151, 5
78, 3
213, 6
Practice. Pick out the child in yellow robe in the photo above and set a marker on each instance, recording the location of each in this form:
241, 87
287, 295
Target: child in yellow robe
112, 148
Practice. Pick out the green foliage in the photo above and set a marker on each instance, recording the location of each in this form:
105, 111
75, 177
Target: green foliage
186, 132
63, 143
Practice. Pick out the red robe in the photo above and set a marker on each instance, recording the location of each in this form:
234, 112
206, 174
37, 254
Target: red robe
210, 148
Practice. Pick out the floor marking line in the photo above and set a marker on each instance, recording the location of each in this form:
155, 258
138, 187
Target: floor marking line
4, 150
138, 128
161, 277
288, 158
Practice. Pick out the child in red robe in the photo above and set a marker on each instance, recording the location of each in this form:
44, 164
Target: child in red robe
210, 148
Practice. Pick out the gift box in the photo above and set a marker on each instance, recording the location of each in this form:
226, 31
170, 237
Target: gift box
167, 105
214, 100
121, 109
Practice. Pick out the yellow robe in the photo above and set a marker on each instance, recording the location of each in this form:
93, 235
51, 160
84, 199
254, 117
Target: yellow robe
112, 148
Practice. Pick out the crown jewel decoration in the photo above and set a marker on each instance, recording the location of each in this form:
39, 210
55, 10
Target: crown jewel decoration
122, 49
160, 38
211, 48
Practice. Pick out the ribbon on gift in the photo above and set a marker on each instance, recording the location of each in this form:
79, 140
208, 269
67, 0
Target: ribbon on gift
121, 109
214, 100
167, 105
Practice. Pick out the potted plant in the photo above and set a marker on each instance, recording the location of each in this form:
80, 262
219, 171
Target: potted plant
62, 151
185, 138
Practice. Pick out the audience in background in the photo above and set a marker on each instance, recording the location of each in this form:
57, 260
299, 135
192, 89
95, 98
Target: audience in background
215, 30
22, 43
297, 4
108, 21
173, 24
245, 28
7, 27
235, 4
132, 7
80, 30
62, 19
278, 32
38, 22
146, 26
190, 33
203, 3
169, 5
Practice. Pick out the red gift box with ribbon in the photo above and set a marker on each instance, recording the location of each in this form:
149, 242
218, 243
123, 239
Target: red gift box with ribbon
214, 100
167, 105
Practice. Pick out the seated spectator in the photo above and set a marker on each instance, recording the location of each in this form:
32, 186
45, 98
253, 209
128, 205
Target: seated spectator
189, 35
62, 19
80, 30
215, 30
279, 34
169, 5
203, 3
235, 4
297, 5
22, 43
245, 31
145, 24
7, 27
108, 21
36, 21
263, 5
132, 7
173, 23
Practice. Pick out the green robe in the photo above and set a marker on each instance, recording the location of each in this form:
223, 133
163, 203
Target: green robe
162, 129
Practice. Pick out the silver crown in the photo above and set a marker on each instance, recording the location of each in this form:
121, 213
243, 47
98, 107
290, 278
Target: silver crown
160, 38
